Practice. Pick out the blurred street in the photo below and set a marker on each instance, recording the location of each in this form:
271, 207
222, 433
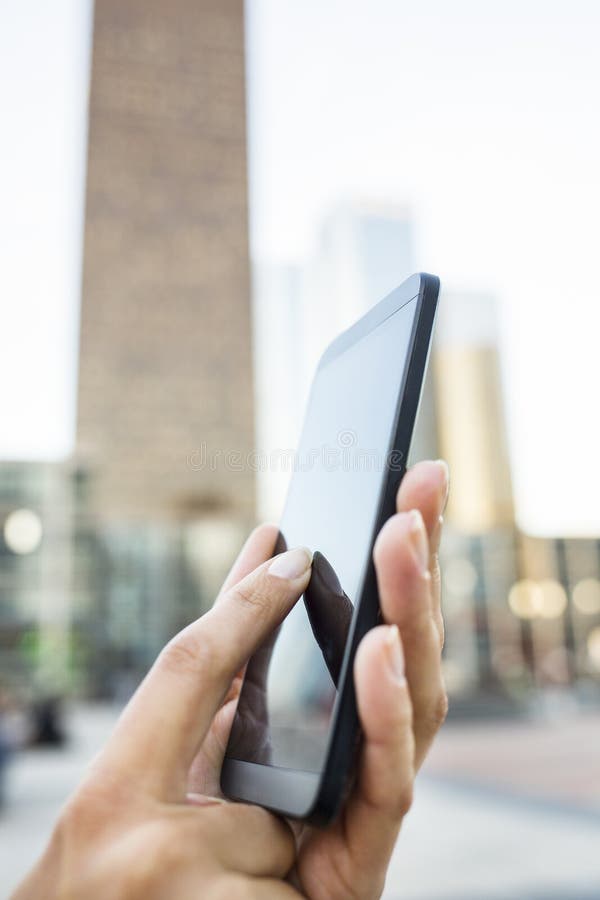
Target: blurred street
504, 811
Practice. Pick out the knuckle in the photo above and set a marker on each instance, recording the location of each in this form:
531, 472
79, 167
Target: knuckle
192, 654
85, 820
405, 800
181, 653
398, 801
437, 713
400, 720
440, 711
89, 810
417, 627
164, 853
253, 596
431, 719
173, 846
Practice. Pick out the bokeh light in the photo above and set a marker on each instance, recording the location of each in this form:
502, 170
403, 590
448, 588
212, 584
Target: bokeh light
586, 596
545, 599
22, 531
593, 647
524, 599
552, 599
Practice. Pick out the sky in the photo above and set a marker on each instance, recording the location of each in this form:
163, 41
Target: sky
481, 117
44, 64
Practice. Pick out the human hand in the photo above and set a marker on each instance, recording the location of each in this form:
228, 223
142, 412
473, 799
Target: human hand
134, 829
148, 822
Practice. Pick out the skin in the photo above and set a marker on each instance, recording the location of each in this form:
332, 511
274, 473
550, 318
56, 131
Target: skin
148, 820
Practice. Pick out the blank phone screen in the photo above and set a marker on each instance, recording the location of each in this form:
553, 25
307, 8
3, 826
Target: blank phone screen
285, 707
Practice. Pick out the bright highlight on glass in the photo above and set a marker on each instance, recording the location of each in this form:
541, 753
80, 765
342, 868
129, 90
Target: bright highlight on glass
22, 531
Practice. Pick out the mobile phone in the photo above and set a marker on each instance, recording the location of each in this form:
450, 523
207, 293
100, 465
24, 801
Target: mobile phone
295, 734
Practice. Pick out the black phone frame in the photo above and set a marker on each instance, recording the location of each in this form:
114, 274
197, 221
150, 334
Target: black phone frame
317, 797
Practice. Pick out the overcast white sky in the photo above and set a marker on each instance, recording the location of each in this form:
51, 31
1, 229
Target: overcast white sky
43, 95
482, 116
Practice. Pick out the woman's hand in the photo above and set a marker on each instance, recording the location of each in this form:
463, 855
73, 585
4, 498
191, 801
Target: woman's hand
148, 820
132, 830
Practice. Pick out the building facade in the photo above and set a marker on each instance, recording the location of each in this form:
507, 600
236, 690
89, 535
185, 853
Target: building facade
165, 357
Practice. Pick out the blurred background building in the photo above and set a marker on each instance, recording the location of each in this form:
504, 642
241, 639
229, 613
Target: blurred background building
514, 616
165, 378
139, 527
165, 357
36, 572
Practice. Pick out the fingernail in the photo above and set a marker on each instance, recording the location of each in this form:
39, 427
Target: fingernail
419, 540
292, 564
395, 656
446, 482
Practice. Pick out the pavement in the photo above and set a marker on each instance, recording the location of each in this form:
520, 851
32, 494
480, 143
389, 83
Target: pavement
503, 811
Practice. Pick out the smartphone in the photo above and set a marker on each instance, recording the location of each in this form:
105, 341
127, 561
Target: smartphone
295, 734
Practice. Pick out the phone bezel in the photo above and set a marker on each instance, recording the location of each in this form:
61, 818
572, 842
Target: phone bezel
317, 797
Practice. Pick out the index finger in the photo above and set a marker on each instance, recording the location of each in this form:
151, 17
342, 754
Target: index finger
162, 727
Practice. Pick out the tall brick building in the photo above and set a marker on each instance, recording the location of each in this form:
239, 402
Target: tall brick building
165, 354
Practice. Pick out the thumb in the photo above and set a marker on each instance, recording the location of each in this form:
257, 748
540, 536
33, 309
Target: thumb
164, 724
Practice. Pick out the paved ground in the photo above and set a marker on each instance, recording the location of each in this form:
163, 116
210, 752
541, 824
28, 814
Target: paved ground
554, 757
503, 812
